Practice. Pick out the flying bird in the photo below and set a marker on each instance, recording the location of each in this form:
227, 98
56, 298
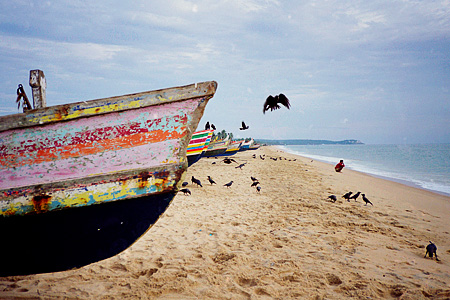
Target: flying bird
244, 127
207, 126
196, 181
347, 196
213, 127
273, 102
228, 184
255, 183
228, 160
366, 200
333, 198
211, 180
431, 250
355, 196
186, 192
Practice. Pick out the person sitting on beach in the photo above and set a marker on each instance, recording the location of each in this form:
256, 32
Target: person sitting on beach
339, 166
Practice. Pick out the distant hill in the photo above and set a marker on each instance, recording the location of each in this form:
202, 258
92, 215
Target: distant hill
308, 142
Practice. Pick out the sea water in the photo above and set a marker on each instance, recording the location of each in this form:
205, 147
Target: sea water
426, 166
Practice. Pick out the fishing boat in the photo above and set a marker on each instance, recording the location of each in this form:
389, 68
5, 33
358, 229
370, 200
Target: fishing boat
246, 145
216, 148
232, 148
254, 146
198, 145
81, 182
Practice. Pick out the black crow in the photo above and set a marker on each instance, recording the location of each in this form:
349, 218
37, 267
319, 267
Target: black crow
272, 102
258, 189
186, 192
228, 160
431, 250
261, 157
366, 200
333, 198
240, 166
255, 183
253, 178
184, 184
207, 127
196, 181
355, 196
243, 127
213, 127
228, 184
347, 196
211, 180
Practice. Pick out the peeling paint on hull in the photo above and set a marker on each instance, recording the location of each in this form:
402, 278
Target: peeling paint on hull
84, 159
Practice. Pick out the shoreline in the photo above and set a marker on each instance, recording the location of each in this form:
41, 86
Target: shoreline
401, 181
287, 241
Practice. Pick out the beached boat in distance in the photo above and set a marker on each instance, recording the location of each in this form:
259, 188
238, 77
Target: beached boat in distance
198, 145
232, 148
81, 182
246, 145
216, 148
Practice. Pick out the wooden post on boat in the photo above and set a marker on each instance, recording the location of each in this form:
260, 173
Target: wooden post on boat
38, 85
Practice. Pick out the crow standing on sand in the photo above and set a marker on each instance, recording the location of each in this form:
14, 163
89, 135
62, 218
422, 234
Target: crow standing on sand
240, 166
184, 184
186, 192
347, 196
255, 183
333, 198
228, 184
366, 200
196, 181
211, 180
253, 178
258, 189
431, 250
243, 127
272, 102
355, 196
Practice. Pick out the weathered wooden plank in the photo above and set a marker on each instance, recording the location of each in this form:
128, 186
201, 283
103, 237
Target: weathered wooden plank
106, 105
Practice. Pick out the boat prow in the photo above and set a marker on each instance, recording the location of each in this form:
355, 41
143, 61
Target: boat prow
81, 182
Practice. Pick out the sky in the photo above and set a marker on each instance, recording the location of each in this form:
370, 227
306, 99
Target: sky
375, 71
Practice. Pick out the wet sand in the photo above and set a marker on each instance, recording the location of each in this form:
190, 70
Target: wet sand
287, 242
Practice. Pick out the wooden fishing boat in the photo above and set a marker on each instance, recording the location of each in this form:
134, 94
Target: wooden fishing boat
81, 182
216, 148
246, 145
198, 145
232, 148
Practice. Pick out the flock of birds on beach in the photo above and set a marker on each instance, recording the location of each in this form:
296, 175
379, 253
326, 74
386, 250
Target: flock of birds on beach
272, 103
226, 160
348, 196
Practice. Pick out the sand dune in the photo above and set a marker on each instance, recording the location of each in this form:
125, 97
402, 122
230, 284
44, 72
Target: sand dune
286, 242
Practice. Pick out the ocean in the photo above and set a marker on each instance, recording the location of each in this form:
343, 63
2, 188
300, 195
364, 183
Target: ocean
425, 166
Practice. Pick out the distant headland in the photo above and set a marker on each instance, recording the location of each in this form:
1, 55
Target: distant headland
308, 142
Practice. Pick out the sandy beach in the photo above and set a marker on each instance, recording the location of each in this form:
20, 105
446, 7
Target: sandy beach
286, 242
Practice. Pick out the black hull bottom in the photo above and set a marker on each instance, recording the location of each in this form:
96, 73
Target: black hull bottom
76, 237
192, 159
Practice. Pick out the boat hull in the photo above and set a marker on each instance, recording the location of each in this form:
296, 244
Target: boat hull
198, 145
72, 238
214, 152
